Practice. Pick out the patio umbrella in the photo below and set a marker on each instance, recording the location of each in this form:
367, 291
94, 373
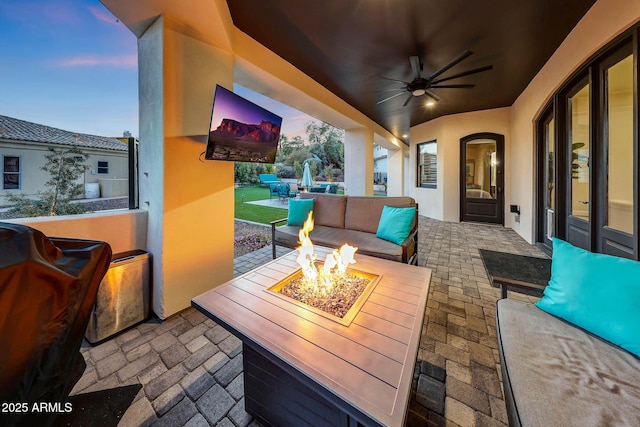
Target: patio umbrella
306, 176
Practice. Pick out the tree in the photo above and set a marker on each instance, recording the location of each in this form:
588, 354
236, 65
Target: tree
328, 173
327, 142
299, 155
65, 168
242, 172
287, 146
298, 167
269, 168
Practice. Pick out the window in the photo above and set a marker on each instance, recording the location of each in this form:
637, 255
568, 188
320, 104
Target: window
11, 173
427, 164
103, 167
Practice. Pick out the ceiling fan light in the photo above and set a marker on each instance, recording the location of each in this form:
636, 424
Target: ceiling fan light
418, 92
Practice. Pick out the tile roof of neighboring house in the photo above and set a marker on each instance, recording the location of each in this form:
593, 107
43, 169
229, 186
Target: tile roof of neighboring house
21, 130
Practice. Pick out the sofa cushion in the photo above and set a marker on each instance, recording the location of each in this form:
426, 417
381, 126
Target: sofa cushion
299, 211
560, 375
598, 292
332, 237
328, 209
395, 224
363, 213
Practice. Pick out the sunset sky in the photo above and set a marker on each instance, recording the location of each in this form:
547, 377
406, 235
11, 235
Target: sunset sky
72, 65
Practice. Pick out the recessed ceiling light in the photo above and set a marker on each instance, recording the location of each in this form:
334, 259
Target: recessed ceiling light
405, 135
430, 103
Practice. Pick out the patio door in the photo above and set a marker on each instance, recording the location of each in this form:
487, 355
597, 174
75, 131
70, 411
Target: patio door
547, 172
579, 144
587, 159
615, 226
482, 178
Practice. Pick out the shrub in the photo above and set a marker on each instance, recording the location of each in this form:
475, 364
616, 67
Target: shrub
286, 171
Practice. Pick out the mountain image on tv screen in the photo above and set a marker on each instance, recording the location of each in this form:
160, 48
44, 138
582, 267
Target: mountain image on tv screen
241, 131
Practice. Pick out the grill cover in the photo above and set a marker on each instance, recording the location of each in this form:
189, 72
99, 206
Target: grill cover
47, 289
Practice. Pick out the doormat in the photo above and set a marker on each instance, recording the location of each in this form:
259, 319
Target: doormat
513, 267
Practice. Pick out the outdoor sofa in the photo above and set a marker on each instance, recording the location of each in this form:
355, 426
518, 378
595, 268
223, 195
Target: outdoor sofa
268, 178
343, 219
571, 359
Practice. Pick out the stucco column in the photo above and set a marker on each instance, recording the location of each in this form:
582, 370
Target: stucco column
395, 172
189, 201
358, 162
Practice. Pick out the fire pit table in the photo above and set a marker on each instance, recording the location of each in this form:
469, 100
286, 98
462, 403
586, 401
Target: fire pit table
302, 367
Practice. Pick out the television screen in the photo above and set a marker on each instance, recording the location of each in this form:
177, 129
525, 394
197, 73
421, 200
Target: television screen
241, 131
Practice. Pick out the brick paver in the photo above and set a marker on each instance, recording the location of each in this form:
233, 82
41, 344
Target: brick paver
191, 368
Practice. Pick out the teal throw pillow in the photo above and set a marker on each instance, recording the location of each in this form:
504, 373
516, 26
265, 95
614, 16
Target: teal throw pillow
299, 210
395, 224
599, 293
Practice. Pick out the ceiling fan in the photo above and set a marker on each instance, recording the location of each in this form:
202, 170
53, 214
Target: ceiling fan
422, 85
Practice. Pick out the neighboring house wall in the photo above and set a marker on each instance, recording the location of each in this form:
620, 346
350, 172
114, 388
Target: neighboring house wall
114, 179
379, 164
32, 159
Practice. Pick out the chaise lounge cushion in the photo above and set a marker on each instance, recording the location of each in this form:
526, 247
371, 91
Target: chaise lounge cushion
329, 210
560, 375
368, 244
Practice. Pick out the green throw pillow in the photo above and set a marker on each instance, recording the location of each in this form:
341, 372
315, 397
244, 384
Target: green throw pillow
597, 292
299, 210
395, 224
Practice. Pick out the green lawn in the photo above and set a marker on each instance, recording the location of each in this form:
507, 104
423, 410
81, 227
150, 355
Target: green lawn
255, 213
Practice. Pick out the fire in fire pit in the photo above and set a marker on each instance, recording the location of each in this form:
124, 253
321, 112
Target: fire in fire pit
331, 289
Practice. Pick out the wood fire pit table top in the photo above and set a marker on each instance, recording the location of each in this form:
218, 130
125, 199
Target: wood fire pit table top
365, 369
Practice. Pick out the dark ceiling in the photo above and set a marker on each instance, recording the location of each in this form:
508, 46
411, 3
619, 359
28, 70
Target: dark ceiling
345, 45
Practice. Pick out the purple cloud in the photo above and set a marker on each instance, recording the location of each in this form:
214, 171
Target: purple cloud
103, 15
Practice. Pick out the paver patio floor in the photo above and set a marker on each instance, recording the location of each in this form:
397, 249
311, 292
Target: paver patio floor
191, 368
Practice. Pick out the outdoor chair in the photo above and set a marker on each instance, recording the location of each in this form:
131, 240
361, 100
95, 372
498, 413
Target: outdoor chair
283, 192
274, 190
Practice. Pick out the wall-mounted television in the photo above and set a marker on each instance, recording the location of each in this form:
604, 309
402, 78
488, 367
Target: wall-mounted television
241, 131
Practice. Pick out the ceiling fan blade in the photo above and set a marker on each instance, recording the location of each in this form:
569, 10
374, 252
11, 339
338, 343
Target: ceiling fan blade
432, 95
391, 90
459, 59
453, 86
464, 73
407, 101
391, 97
415, 66
393, 80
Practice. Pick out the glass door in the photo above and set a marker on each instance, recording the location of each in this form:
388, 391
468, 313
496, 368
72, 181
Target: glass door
616, 219
549, 171
482, 178
578, 143
588, 159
